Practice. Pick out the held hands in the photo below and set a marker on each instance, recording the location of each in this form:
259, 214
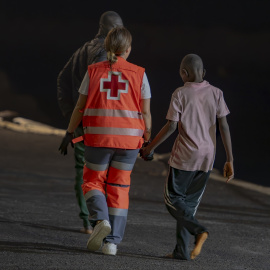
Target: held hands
228, 171
65, 142
146, 153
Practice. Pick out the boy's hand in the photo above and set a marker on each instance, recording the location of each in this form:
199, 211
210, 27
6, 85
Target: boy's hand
146, 153
65, 142
228, 171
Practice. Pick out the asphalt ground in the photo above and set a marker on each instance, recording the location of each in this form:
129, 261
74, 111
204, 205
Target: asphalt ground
39, 223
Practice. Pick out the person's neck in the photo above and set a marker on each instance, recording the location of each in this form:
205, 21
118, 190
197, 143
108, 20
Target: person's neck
199, 80
124, 56
196, 78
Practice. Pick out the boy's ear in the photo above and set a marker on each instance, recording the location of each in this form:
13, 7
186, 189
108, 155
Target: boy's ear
204, 72
184, 71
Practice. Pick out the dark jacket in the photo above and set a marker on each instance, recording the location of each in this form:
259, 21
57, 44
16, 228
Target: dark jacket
70, 78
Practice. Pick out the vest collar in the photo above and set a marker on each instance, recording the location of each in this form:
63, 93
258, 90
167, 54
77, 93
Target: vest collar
121, 59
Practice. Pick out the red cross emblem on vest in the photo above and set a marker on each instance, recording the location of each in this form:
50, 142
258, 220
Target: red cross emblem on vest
114, 85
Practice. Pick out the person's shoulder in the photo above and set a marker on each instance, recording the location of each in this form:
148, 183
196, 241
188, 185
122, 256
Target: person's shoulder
84, 48
213, 88
98, 65
98, 40
95, 45
177, 93
135, 67
179, 90
214, 91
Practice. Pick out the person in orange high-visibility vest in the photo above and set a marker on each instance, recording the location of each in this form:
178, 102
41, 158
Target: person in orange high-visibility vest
114, 105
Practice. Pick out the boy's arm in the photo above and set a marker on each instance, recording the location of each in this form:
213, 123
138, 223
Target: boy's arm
163, 134
228, 170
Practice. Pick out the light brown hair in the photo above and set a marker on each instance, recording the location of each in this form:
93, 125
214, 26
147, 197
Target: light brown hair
117, 42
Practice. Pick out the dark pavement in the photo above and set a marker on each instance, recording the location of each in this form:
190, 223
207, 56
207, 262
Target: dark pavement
39, 216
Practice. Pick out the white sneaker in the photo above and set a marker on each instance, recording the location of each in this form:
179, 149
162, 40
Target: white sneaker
101, 230
109, 249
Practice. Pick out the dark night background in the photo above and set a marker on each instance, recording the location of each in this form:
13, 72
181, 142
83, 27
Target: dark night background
232, 37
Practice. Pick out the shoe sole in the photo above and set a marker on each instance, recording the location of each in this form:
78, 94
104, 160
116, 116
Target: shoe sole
109, 252
95, 241
198, 247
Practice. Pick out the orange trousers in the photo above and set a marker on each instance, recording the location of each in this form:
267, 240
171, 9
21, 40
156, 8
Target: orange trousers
106, 184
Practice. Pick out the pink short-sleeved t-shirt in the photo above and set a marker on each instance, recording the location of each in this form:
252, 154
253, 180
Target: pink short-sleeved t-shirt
195, 106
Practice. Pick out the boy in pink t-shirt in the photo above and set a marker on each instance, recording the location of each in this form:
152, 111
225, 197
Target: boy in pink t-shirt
194, 108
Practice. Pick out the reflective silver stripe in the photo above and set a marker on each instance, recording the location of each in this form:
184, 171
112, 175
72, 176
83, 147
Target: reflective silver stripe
122, 166
113, 131
92, 193
166, 194
113, 113
118, 212
198, 202
96, 167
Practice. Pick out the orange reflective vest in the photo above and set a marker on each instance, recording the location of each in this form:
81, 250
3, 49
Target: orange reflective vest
112, 115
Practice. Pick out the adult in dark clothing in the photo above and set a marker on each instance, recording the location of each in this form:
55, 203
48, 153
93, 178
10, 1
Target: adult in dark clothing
68, 84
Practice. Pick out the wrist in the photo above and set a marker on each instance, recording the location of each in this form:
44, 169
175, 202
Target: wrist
146, 143
70, 133
147, 134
